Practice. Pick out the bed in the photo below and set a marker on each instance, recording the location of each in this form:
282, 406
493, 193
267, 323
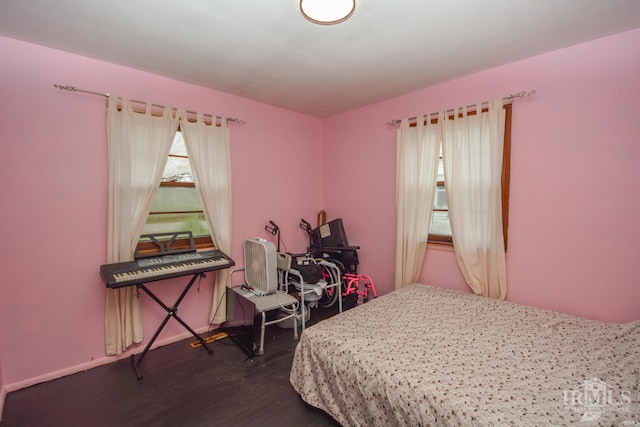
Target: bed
424, 355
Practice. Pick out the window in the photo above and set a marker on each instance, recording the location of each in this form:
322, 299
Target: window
177, 206
440, 228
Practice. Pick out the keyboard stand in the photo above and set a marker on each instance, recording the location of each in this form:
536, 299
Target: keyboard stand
171, 312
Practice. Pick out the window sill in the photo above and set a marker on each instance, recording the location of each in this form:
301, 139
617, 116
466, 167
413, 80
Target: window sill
440, 239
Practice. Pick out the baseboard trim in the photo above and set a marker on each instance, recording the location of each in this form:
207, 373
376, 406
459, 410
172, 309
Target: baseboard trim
105, 360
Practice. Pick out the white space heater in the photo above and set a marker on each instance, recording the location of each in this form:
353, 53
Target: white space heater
260, 265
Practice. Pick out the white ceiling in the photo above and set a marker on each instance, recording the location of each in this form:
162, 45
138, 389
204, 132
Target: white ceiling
266, 51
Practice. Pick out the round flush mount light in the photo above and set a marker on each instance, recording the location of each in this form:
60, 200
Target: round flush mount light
327, 12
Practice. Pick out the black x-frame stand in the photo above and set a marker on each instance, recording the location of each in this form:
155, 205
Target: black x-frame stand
171, 312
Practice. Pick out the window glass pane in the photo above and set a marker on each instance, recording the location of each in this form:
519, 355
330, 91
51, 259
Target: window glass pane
440, 200
169, 223
178, 148
176, 199
440, 217
177, 169
440, 223
440, 169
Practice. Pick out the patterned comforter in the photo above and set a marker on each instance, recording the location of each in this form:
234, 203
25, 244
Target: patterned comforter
427, 356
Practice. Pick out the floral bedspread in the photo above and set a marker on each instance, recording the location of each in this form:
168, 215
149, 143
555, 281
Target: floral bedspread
427, 356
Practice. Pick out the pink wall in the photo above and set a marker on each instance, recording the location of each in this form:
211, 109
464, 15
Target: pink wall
577, 131
54, 207
574, 237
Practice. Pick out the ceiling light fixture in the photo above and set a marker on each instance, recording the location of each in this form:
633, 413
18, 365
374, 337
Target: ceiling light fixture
327, 12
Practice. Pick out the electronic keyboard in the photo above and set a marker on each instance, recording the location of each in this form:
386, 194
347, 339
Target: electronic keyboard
120, 274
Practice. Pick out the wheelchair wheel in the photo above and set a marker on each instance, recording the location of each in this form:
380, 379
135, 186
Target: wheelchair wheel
330, 295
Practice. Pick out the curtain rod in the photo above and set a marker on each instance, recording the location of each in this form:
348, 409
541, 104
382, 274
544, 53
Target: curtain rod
523, 94
106, 95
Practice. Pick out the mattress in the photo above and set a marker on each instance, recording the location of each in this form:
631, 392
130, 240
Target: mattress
427, 356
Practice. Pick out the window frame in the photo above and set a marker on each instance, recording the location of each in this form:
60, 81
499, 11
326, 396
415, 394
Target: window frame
505, 180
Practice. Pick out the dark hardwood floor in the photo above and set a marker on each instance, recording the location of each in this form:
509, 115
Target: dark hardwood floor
182, 386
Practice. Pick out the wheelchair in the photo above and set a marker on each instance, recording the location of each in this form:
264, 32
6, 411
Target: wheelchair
329, 242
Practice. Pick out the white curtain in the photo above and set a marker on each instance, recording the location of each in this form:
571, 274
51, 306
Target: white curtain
209, 153
416, 175
139, 145
472, 153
